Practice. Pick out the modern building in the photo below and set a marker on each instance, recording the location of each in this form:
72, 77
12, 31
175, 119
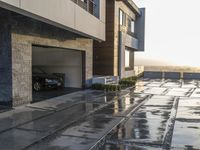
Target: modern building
125, 31
55, 35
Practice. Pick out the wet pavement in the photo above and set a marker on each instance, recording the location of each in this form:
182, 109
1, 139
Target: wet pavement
158, 114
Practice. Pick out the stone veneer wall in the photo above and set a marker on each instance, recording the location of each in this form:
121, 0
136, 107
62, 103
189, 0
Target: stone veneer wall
22, 62
120, 5
26, 33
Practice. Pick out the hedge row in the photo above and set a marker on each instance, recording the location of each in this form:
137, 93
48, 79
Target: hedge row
127, 83
130, 81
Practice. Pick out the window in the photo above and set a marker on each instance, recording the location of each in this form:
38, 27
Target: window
132, 26
122, 18
127, 59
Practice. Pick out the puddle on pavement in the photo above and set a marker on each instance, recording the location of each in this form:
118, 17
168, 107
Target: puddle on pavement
186, 135
61, 118
16, 139
160, 101
188, 112
127, 147
189, 102
20, 115
103, 99
93, 127
162, 113
115, 109
140, 130
120, 107
64, 143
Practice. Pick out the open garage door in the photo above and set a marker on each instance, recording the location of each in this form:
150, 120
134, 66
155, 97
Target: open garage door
57, 63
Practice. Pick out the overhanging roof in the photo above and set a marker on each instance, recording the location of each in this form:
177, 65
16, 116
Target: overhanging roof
132, 6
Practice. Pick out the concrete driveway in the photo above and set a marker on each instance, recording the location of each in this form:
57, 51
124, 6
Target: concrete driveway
159, 114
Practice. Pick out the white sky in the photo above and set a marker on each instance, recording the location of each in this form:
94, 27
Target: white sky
172, 31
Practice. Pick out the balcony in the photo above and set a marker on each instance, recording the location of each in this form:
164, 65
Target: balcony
83, 17
91, 6
129, 40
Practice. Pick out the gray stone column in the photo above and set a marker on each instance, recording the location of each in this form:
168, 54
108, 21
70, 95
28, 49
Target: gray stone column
5, 60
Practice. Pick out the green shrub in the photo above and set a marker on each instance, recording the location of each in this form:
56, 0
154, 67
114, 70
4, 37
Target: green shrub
130, 81
127, 83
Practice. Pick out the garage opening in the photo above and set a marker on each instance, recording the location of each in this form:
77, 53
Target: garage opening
56, 71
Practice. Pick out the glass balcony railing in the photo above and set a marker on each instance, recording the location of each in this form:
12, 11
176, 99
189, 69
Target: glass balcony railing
92, 6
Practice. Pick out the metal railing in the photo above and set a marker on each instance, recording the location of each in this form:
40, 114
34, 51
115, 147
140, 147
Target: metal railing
88, 5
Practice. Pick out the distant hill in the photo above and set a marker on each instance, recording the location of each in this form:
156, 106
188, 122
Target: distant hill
160, 65
151, 62
172, 68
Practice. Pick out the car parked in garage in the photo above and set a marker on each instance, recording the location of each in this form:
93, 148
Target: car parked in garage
42, 80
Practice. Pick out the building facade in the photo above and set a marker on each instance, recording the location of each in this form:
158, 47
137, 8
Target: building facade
56, 36
125, 31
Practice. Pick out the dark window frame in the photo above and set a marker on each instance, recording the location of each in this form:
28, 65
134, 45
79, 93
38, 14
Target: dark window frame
122, 21
131, 59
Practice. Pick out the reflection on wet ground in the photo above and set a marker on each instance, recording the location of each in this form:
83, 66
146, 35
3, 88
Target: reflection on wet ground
186, 135
159, 114
128, 147
173, 104
141, 130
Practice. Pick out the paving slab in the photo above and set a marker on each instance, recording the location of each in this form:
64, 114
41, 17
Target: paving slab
196, 93
139, 89
155, 90
160, 101
186, 135
128, 147
154, 84
189, 85
188, 108
189, 112
140, 130
94, 127
60, 142
183, 92
142, 83
20, 115
172, 84
17, 139
180, 89
153, 112
59, 119
54, 105
137, 96
75, 97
